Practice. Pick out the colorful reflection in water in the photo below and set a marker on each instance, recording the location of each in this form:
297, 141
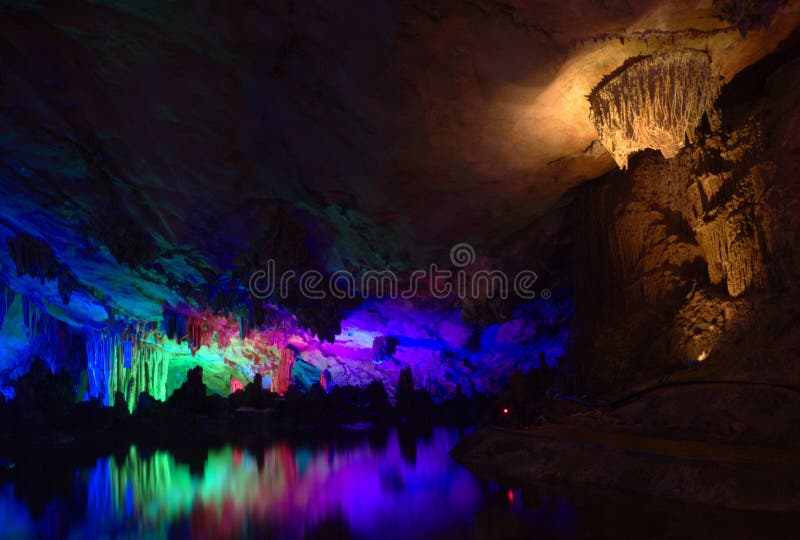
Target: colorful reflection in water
401, 487
386, 485
291, 491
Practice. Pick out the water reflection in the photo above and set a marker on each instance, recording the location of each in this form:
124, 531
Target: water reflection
365, 490
386, 485
289, 490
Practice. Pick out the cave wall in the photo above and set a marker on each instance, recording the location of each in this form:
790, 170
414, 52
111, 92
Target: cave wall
693, 258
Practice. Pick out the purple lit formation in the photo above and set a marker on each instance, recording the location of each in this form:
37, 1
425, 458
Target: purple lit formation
376, 341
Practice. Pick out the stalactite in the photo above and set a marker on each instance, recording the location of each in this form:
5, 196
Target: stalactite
29, 315
654, 102
129, 243
126, 353
67, 283
148, 372
199, 333
47, 335
222, 338
38, 323
224, 329
128, 362
6, 299
243, 328
383, 348
174, 325
279, 328
99, 352
35, 258
276, 338
283, 379
197, 330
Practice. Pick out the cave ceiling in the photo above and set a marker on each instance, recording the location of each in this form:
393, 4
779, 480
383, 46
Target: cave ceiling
155, 145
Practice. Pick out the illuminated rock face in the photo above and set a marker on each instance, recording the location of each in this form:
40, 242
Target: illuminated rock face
428, 337
654, 102
694, 258
441, 350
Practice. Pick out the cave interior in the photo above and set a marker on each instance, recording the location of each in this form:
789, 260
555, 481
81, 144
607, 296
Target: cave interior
311, 195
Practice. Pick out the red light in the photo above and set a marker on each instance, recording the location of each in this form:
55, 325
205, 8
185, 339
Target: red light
511, 496
505, 411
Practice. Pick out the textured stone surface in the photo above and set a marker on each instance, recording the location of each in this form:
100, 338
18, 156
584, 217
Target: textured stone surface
693, 255
656, 101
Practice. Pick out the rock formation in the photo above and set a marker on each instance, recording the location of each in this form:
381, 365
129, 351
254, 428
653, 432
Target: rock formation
654, 102
675, 257
127, 363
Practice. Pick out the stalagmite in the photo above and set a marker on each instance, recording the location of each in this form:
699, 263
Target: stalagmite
654, 102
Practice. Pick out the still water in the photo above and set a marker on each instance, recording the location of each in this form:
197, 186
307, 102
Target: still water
389, 486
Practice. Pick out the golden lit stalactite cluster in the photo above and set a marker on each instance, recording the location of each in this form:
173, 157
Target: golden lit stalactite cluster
654, 102
696, 249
